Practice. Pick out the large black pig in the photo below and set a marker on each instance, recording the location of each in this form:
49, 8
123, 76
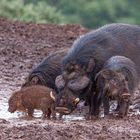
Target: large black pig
46, 72
87, 57
116, 81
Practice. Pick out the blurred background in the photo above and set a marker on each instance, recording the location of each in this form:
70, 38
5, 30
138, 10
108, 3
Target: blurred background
89, 13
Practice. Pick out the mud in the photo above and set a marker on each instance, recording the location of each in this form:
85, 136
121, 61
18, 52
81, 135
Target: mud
22, 47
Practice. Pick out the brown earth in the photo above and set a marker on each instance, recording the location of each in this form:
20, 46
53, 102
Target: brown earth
22, 47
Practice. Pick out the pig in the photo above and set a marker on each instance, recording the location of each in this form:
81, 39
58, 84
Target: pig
46, 72
33, 97
86, 58
117, 80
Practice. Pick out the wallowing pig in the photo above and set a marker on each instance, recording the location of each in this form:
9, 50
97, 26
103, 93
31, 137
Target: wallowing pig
86, 58
33, 97
116, 81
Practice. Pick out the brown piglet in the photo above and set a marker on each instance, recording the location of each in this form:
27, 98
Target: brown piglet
33, 97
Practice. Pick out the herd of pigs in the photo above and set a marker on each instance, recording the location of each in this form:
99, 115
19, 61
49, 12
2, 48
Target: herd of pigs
101, 66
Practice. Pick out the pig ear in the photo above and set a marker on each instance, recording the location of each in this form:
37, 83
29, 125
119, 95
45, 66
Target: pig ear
103, 73
34, 80
91, 65
59, 82
106, 73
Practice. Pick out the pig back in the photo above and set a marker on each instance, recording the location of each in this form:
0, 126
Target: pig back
125, 66
32, 95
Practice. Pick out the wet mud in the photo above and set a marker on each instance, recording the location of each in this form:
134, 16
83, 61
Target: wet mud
22, 47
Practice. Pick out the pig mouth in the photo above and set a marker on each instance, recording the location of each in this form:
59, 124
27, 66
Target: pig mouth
63, 110
11, 110
125, 96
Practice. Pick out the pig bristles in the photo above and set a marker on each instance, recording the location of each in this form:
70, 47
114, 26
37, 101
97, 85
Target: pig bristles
52, 96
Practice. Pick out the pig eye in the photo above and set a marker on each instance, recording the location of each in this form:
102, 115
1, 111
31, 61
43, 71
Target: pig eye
71, 75
114, 82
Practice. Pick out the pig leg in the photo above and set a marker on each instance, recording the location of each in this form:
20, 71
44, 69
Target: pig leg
60, 116
93, 108
44, 113
88, 116
98, 104
127, 108
121, 110
124, 106
53, 113
118, 107
124, 102
48, 113
106, 106
44, 107
30, 112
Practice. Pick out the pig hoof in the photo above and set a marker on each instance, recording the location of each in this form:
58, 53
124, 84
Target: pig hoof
107, 116
53, 118
48, 118
116, 110
43, 117
87, 117
91, 117
121, 116
60, 117
29, 117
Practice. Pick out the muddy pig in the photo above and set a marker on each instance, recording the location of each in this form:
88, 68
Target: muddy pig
46, 72
86, 58
116, 81
33, 97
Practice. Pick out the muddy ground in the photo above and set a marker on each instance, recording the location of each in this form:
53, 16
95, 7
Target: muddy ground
22, 47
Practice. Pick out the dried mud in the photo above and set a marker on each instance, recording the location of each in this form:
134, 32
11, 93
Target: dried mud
22, 47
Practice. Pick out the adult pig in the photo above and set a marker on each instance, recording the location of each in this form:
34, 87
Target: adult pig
87, 57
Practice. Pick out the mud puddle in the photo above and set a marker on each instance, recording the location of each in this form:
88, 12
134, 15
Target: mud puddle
4, 114
78, 114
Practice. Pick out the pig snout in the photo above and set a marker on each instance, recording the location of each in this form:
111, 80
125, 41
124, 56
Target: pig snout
11, 110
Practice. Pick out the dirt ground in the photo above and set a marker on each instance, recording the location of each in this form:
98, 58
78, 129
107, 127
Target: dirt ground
22, 47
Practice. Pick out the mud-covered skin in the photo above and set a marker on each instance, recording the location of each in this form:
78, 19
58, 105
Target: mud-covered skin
33, 97
88, 55
46, 72
116, 81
